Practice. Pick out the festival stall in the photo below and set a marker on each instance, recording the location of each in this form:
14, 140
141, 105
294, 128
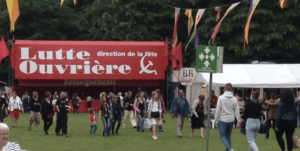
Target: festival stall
249, 76
88, 66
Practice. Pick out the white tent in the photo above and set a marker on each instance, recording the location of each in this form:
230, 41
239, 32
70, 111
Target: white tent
249, 76
255, 76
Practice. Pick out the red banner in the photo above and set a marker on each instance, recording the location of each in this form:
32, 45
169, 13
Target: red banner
88, 60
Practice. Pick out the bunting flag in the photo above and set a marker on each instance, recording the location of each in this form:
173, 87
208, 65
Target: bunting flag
188, 13
74, 2
197, 40
283, 3
197, 20
253, 5
175, 38
176, 57
219, 9
3, 50
61, 2
213, 36
13, 11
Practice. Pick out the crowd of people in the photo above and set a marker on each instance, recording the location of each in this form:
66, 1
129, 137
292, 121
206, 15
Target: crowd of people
245, 113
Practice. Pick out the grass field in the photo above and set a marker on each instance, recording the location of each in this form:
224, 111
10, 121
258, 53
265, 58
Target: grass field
128, 140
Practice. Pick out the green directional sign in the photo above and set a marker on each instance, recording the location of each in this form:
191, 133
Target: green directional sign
209, 59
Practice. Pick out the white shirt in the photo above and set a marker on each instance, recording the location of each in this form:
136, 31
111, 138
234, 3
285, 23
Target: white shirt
14, 103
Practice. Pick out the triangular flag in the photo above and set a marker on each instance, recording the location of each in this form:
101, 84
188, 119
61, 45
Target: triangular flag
213, 36
3, 50
197, 20
173, 57
175, 38
253, 5
61, 2
197, 40
13, 11
283, 3
219, 9
74, 2
188, 13
179, 56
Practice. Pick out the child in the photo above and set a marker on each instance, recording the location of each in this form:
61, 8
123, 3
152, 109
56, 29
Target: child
93, 121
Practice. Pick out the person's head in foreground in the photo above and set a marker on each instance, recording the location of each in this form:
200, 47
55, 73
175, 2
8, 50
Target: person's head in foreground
4, 136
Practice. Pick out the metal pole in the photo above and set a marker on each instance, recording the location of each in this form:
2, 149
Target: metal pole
208, 110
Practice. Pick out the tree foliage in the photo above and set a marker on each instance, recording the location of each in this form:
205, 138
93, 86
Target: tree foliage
274, 33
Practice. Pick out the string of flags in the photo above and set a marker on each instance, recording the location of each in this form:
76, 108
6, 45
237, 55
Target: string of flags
195, 35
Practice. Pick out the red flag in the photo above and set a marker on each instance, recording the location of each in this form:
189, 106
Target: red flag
166, 54
219, 13
173, 57
3, 50
179, 56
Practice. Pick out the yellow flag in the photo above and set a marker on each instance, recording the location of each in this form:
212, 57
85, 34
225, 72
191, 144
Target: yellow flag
61, 2
13, 11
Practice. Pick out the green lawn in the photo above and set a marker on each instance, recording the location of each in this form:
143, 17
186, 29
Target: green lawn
129, 139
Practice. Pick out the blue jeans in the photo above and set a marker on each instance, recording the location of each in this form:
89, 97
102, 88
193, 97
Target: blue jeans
106, 125
2, 115
225, 130
140, 125
26, 107
252, 129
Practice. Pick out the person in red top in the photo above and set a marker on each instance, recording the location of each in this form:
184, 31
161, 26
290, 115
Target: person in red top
93, 121
163, 108
214, 100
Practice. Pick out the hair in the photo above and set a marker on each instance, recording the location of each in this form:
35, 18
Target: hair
4, 126
273, 95
138, 95
287, 98
155, 92
119, 100
255, 94
228, 87
102, 102
92, 110
201, 97
158, 91
212, 91
15, 92
129, 92
47, 94
75, 95
26, 93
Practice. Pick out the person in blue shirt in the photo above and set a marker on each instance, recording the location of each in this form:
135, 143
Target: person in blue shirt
180, 108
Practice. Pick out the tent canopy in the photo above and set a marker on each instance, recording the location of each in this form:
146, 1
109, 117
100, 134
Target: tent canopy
255, 76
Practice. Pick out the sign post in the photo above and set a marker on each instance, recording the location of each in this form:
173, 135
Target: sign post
209, 59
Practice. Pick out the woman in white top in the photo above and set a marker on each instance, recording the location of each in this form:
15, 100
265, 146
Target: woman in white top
198, 110
15, 106
154, 108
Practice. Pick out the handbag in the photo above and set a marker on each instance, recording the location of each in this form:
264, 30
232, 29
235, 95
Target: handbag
296, 140
50, 115
154, 114
263, 128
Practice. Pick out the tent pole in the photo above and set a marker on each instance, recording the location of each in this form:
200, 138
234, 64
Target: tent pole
208, 111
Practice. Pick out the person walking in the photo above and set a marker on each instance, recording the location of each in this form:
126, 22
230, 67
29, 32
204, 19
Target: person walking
140, 107
55, 98
104, 114
2, 107
252, 115
25, 102
199, 110
286, 120
226, 112
6, 104
117, 114
59, 121
15, 106
75, 103
128, 103
47, 111
155, 112
93, 121
180, 108
271, 106
64, 107
89, 102
35, 107
161, 99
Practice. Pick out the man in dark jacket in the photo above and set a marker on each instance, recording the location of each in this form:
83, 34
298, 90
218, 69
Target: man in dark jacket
35, 106
128, 103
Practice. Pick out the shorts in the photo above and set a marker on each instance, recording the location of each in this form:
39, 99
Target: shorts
34, 117
15, 113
